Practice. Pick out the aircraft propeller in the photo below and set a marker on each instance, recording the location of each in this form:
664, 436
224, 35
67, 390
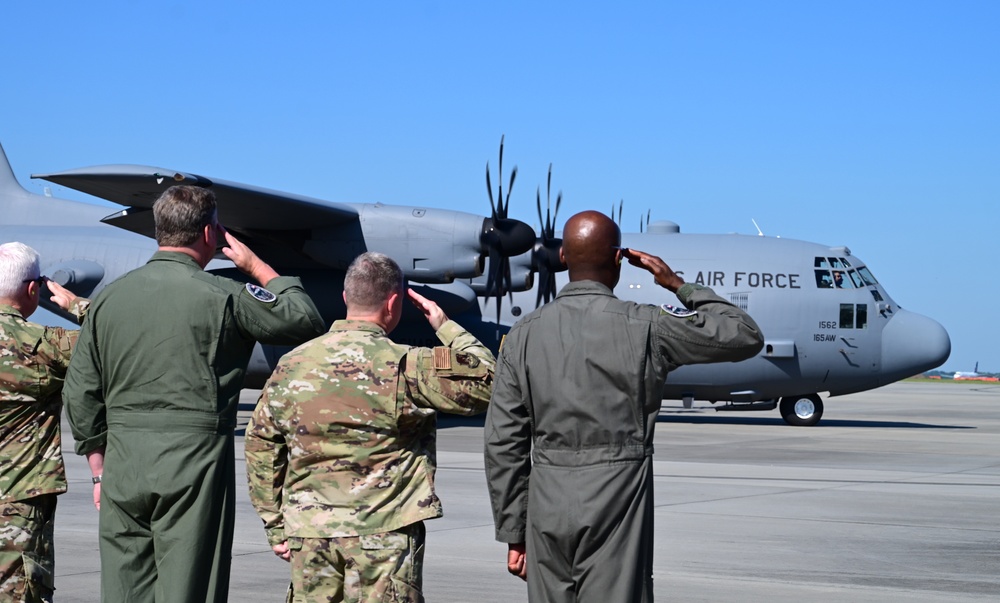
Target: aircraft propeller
545, 259
503, 237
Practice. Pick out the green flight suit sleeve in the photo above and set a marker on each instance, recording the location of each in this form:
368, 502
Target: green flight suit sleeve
83, 394
290, 318
266, 455
718, 332
508, 448
455, 378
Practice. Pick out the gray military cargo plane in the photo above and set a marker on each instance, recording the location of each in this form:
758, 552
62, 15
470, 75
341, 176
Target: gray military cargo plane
829, 325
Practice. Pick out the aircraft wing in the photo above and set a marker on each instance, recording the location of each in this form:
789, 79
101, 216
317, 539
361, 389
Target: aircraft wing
242, 208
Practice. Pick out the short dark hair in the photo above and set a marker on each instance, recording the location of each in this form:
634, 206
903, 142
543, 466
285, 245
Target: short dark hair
181, 214
371, 278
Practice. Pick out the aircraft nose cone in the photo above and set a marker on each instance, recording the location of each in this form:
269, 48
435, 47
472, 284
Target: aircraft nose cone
912, 344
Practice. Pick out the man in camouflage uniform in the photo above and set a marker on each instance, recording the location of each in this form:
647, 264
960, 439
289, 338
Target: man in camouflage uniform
341, 447
155, 384
33, 362
569, 433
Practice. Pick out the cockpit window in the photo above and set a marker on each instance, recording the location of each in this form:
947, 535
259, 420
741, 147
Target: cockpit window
838, 273
839, 282
855, 279
866, 275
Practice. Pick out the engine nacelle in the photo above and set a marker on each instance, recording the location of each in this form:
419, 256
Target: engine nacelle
79, 276
430, 245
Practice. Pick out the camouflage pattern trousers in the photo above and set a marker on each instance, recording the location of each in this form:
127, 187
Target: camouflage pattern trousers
379, 568
27, 554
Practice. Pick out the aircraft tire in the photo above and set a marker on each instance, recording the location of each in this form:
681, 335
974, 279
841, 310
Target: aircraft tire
801, 411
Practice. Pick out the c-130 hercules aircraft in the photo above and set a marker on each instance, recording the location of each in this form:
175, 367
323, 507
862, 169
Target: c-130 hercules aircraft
829, 326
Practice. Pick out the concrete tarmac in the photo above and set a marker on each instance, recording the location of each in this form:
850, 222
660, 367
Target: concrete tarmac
894, 496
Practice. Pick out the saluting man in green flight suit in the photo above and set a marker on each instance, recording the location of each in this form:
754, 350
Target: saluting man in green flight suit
569, 431
152, 394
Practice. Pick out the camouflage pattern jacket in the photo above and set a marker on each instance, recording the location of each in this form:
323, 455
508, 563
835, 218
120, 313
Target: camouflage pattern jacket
342, 441
33, 363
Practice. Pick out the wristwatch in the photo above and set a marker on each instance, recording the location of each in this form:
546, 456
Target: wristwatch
96, 479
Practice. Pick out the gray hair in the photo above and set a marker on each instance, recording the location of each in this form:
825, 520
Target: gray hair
371, 278
181, 214
18, 263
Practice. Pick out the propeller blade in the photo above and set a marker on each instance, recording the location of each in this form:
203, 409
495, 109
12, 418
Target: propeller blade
500, 178
538, 204
489, 189
548, 188
548, 231
499, 303
492, 272
552, 231
510, 189
543, 282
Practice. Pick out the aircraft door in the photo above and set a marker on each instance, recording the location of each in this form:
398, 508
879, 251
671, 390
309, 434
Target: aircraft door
858, 337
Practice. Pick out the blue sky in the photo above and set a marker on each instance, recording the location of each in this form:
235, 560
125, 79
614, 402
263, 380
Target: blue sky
868, 124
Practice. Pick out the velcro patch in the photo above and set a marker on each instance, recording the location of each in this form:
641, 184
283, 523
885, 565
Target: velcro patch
261, 294
678, 312
442, 359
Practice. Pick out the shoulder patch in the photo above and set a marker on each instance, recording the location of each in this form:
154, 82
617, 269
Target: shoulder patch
675, 311
442, 358
261, 294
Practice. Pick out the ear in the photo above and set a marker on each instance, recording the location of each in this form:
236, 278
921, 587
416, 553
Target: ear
206, 234
562, 255
390, 303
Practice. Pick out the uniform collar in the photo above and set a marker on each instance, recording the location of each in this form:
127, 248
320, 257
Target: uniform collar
585, 288
11, 310
356, 325
174, 256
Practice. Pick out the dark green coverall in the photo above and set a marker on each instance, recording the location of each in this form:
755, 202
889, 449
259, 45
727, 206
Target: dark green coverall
569, 432
156, 377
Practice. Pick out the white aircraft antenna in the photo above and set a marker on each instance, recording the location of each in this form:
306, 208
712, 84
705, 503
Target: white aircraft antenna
760, 232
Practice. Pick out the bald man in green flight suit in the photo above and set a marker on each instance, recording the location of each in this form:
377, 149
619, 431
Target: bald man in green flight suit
152, 394
569, 430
